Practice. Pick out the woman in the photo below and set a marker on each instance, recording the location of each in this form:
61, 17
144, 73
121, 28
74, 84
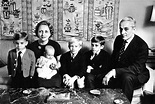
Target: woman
44, 31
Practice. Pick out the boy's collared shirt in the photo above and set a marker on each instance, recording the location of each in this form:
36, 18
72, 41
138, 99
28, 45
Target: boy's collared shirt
98, 63
93, 55
23, 51
73, 55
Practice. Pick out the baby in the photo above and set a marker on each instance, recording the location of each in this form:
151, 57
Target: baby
47, 64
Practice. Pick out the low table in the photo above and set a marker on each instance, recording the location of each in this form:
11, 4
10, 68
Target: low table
78, 96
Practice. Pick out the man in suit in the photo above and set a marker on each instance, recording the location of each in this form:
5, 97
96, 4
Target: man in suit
21, 62
128, 69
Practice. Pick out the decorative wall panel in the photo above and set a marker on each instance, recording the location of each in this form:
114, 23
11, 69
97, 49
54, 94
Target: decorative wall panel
10, 17
42, 10
86, 18
73, 11
70, 18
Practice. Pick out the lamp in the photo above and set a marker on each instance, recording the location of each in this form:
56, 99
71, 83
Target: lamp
153, 14
153, 20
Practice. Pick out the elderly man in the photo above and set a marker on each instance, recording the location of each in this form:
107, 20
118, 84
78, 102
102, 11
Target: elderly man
128, 69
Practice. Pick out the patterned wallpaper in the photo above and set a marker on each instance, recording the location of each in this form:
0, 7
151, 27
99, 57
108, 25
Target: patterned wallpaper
70, 18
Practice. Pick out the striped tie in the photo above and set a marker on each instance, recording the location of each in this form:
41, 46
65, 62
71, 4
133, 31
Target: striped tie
72, 57
122, 50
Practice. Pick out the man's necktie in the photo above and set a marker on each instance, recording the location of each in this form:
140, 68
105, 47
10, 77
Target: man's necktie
72, 57
122, 50
19, 62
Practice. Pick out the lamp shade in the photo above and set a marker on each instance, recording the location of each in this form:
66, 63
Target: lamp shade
153, 14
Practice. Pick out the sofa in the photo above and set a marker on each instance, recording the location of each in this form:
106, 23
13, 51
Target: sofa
6, 45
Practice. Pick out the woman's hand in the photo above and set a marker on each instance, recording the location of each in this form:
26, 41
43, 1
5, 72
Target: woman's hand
40, 62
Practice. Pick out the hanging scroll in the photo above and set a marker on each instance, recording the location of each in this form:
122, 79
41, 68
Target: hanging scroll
86, 18
10, 18
70, 18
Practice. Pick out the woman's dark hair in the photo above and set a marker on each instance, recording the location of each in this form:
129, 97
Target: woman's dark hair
98, 39
20, 35
44, 23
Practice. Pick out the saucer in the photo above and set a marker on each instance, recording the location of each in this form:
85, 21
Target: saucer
27, 91
95, 92
118, 101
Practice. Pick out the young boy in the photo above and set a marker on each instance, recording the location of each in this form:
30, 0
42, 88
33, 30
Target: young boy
47, 65
97, 62
72, 65
21, 62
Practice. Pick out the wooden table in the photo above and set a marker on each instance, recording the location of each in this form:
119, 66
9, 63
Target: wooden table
39, 96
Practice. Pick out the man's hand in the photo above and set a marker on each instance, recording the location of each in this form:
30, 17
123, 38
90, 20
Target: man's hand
107, 77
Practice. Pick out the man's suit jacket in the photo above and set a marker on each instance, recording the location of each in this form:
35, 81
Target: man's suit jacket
133, 59
100, 63
72, 66
28, 63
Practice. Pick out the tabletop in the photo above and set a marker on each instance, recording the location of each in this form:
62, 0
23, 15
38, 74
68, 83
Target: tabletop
70, 96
